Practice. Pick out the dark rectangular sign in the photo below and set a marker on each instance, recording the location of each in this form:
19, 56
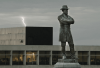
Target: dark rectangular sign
39, 35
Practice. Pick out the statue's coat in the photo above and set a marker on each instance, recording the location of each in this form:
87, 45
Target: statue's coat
65, 33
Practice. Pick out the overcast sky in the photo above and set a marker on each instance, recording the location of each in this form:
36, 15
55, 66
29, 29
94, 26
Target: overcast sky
86, 13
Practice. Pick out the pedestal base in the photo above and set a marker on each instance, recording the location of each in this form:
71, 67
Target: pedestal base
66, 63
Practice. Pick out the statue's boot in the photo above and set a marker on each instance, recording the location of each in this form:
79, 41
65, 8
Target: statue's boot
73, 56
63, 56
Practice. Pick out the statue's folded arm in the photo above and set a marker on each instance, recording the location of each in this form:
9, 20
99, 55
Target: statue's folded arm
65, 21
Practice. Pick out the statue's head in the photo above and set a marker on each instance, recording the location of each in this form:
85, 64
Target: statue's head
64, 9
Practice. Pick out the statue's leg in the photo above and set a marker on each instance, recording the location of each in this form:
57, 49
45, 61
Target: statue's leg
63, 44
72, 50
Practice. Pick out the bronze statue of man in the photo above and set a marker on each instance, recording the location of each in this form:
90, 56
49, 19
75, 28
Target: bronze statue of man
65, 33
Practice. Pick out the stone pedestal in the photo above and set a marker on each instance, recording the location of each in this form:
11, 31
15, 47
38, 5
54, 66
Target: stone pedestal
67, 63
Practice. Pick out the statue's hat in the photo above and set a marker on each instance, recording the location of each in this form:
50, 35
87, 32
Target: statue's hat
64, 7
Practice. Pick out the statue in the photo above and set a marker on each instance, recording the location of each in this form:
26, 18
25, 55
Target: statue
65, 33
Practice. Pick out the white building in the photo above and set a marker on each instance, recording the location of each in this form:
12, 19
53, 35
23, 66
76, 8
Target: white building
26, 36
20, 55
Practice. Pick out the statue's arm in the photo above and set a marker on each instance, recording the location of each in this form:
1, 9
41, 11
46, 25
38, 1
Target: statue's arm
70, 21
62, 21
65, 21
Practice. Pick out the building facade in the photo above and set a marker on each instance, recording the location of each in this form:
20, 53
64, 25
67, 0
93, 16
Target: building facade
12, 36
22, 56
26, 36
23, 47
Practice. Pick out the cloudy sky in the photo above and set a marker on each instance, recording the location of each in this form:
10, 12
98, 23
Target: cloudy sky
86, 14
